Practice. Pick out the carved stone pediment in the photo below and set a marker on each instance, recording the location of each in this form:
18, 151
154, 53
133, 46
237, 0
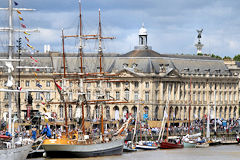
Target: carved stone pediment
172, 73
127, 73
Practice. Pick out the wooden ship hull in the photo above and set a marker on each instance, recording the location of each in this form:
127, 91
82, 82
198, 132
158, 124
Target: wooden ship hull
56, 149
169, 145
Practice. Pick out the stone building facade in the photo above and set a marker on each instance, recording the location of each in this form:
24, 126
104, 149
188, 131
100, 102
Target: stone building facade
143, 79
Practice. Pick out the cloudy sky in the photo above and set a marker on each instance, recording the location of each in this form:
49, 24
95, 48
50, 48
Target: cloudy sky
171, 24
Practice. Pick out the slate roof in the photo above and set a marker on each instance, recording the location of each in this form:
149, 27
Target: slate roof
134, 59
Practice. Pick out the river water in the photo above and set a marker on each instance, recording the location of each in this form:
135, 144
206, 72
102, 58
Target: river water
222, 152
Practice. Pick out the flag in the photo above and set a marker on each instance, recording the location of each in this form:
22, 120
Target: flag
27, 39
15, 3
26, 33
35, 74
37, 69
18, 12
59, 87
19, 88
32, 48
23, 26
33, 59
39, 85
20, 18
43, 104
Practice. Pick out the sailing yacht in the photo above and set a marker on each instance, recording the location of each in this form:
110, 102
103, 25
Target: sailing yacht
170, 142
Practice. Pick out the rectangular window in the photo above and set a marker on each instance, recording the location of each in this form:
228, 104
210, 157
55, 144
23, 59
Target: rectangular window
70, 96
203, 96
27, 83
117, 84
38, 96
225, 96
88, 95
117, 95
136, 84
97, 94
127, 94
203, 85
5, 95
220, 96
193, 97
135, 95
156, 95
98, 84
146, 84
48, 96
199, 94
108, 95
48, 84
108, 84
146, 96
70, 84
230, 96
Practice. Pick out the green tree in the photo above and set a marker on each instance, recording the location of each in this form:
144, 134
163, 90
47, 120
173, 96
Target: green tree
237, 57
227, 58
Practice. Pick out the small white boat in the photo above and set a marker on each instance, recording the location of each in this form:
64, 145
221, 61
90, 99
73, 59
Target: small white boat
147, 145
189, 144
202, 145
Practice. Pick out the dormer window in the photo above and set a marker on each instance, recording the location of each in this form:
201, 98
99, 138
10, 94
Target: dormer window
207, 70
134, 65
125, 65
186, 69
196, 70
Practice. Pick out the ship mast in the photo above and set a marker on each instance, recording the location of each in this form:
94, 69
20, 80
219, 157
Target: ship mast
189, 109
10, 29
64, 80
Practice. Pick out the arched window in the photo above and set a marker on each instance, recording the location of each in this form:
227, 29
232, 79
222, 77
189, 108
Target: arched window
225, 113
134, 111
156, 113
220, 113
199, 112
185, 113
116, 111
230, 112
204, 112
235, 113
194, 113
97, 112
125, 112
171, 113
146, 111
176, 113
180, 113
60, 111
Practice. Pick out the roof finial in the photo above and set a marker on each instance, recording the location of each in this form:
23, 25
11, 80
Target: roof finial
143, 25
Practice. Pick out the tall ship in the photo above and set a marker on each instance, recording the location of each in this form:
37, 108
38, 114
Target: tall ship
12, 146
79, 143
